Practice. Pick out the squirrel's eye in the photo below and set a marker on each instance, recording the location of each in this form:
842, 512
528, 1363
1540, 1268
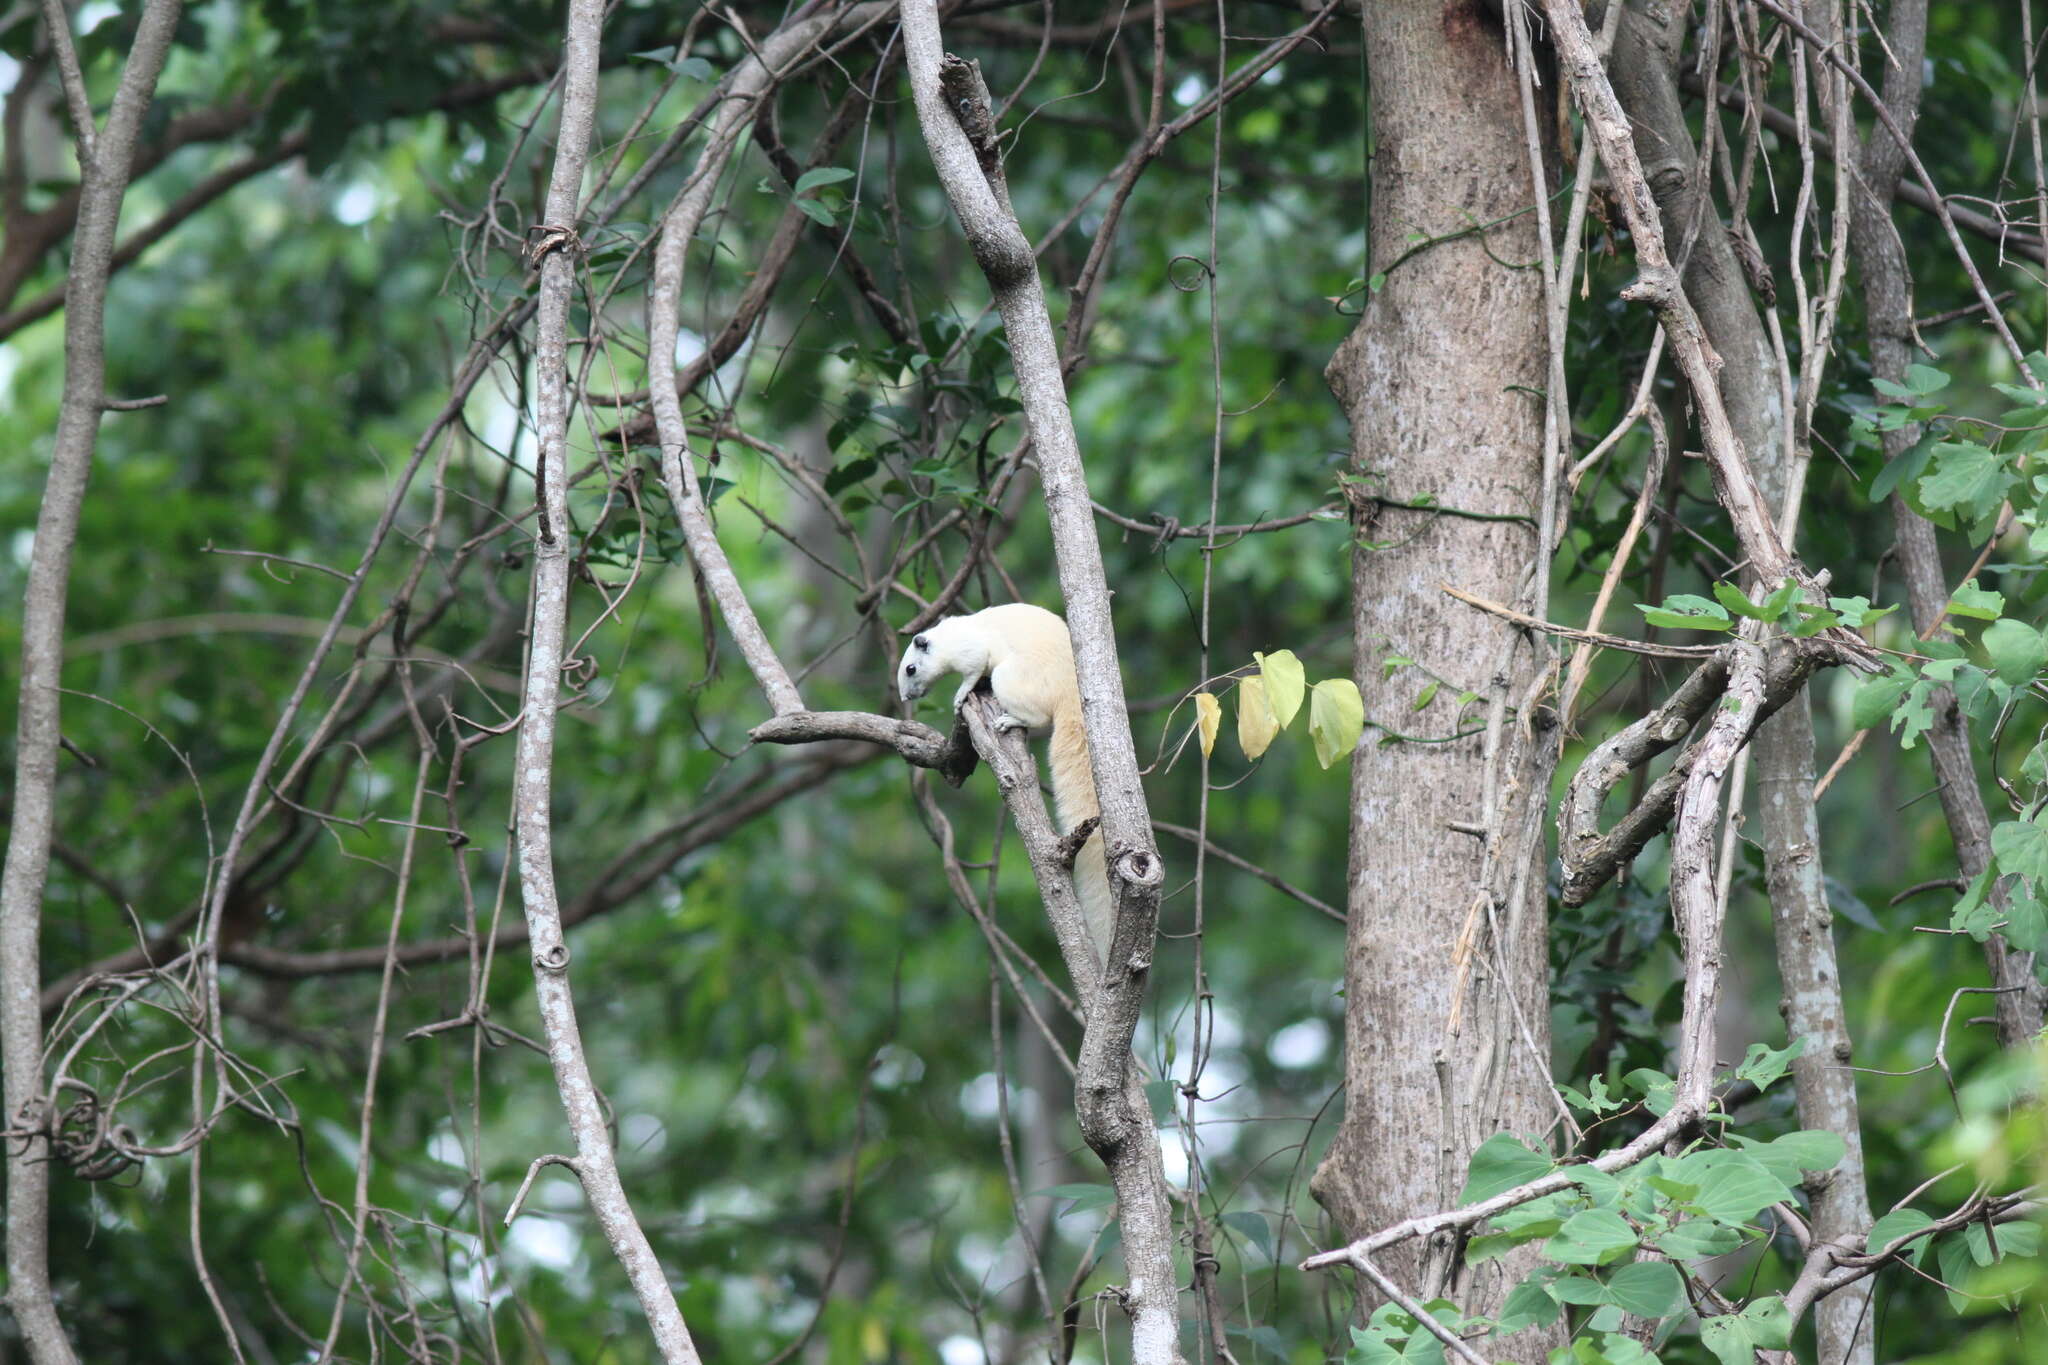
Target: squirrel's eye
910, 670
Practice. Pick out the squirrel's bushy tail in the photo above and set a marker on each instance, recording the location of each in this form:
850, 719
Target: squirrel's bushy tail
1091, 884
1073, 798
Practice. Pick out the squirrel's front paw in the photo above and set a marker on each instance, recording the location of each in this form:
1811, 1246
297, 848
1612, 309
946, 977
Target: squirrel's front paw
1007, 722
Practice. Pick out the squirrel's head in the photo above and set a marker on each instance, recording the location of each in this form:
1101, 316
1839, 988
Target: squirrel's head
918, 668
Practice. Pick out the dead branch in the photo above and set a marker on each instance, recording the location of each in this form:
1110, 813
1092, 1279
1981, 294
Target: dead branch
1591, 856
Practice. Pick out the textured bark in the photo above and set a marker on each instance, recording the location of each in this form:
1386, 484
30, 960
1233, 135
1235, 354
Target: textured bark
1888, 311
106, 157
1434, 1061
1645, 72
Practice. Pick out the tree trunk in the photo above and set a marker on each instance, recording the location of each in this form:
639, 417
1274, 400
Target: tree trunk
1446, 1006
1888, 312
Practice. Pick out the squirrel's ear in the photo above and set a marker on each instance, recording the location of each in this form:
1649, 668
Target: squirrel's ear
921, 642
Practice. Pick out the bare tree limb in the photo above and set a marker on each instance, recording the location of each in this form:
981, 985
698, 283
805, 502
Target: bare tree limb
1658, 284
558, 252
106, 160
742, 92
920, 745
1588, 855
952, 106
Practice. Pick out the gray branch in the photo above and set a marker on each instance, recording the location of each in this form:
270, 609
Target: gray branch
1117, 1129
105, 162
556, 246
1658, 285
740, 100
920, 746
1645, 72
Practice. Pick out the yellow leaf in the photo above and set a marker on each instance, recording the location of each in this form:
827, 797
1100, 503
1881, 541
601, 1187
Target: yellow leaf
1281, 672
1209, 719
1336, 718
1255, 724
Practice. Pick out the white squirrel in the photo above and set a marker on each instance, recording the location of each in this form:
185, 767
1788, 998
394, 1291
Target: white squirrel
1028, 659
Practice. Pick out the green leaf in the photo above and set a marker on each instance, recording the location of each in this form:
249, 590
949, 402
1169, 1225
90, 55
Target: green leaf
1877, 699
2016, 649
1528, 1304
1922, 380
1282, 674
1813, 621
1489, 1245
1896, 1224
1656, 1088
1856, 612
1968, 479
1809, 1149
823, 175
852, 472
2021, 846
1974, 914
1425, 696
1648, 1289
1336, 718
1778, 603
1980, 603
1737, 1187
1499, 1164
1733, 598
1687, 612
1761, 1065
1904, 468
1539, 1217
1613, 1348
1957, 1265
2014, 1239
1593, 1237
1734, 1338
1603, 1191
815, 211
2026, 919
1697, 1238
1791, 1156
1253, 1228
1583, 1290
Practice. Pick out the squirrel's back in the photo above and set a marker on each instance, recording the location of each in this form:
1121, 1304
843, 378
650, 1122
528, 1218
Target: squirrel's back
1030, 659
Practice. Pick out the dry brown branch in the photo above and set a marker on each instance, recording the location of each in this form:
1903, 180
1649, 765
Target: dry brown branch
1589, 855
